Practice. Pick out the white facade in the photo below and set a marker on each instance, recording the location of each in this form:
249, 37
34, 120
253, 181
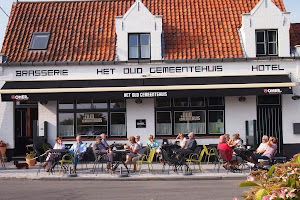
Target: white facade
236, 112
266, 16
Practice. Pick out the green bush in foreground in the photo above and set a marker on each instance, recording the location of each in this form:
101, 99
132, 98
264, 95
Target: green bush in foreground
280, 182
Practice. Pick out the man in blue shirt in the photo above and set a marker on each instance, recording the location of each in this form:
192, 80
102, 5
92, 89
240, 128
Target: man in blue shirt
80, 147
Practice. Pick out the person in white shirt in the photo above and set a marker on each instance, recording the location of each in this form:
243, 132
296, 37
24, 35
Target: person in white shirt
182, 141
236, 142
263, 146
51, 156
137, 140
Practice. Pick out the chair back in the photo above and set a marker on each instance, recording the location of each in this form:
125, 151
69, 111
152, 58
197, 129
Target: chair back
198, 150
151, 155
223, 155
165, 156
68, 157
201, 155
205, 149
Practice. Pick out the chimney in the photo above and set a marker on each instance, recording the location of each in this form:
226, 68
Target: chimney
15, 2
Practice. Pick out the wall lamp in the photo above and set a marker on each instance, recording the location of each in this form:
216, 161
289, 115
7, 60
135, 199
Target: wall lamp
296, 97
242, 99
138, 101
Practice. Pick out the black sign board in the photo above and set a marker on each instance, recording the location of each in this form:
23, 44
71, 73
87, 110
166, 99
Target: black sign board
140, 123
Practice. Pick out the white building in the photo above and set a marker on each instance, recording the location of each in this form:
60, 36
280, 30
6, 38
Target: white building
150, 67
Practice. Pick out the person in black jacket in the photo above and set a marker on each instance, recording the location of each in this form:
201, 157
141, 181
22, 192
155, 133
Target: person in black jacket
192, 143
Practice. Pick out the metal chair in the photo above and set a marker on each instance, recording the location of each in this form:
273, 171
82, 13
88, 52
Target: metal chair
149, 159
196, 158
68, 159
208, 153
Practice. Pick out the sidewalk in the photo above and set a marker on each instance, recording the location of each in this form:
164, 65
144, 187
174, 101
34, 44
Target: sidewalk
210, 173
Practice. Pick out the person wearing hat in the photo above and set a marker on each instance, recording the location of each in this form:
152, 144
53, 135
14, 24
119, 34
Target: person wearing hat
192, 144
100, 149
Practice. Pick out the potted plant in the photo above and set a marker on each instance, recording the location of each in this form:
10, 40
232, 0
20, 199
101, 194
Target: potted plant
3, 146
30, 159
281, 182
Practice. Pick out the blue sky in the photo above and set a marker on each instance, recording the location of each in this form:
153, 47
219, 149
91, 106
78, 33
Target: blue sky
292, 6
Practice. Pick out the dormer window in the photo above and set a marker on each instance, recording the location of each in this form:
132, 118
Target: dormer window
266, 43
139, 46
39, 41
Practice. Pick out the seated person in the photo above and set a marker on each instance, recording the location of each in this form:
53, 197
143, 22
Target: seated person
103, 137
136, 152
268, 154
52, 156
232, 159
80, 147
182, 140
192, 144
99, 149
153, 144
238, 135
236, 142
137, 139
227, 138
263, 146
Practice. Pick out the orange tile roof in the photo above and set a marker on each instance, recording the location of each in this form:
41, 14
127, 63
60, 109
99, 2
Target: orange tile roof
85, 31
295, 34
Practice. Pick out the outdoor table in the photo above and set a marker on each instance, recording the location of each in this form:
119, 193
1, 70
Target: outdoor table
181, 155
120, 158
168, 147
243, 152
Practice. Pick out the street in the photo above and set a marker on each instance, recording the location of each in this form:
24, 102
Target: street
149, 190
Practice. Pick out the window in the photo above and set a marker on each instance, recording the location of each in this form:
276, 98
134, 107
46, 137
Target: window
190, 121
91, 124
39, 41
268, 100
163, 102
118, 124
66, 124
181, 102
163, 123
266, 43
216, 121
201, 115
91, 118
139, 46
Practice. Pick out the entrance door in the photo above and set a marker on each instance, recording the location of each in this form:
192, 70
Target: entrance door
24, 118
269, 118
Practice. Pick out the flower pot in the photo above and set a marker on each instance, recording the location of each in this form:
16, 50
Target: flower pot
30, 162
2, 150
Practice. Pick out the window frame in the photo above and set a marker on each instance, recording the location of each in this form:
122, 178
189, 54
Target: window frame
208, 115
266, 42
32, 40
75, 111
205, 108
110, 113
139, 46
156, 124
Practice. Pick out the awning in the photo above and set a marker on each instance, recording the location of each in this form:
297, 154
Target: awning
147, 87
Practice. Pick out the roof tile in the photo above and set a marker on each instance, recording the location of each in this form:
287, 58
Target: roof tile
85, 31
